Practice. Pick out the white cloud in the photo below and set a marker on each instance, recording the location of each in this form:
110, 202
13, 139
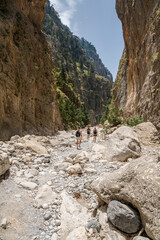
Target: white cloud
66, 9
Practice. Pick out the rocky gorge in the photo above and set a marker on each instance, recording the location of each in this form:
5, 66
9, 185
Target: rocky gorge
49, 189
107, 190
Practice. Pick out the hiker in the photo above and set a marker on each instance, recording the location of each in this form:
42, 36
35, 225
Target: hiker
79, 137
88, 132
95, 132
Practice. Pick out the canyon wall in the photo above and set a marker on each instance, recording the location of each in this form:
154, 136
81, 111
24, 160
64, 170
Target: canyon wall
137, 87
27, 88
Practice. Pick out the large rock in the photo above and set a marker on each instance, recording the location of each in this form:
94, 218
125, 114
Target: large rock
138, 183
146, 132
45, 195
122, 144
73, 215
123, 217
4, 163
35, 146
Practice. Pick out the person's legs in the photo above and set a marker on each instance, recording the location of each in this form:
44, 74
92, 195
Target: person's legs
77, 143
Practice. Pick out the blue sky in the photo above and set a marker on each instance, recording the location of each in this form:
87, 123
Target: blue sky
97, 22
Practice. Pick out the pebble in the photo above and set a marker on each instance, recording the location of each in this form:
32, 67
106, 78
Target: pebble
47, 216
3, 223
45, 206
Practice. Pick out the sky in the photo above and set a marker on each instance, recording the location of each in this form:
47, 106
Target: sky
98, 23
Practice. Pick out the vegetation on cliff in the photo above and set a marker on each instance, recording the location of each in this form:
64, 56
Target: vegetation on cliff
83, 82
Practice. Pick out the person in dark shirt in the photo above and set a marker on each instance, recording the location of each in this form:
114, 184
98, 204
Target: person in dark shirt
95, 133
88, 132
78, 137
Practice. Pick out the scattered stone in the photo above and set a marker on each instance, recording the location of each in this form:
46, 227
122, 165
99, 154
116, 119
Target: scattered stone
45, 206
73, 214
113, 235
77, 234
90, 170
140, 238
54, 236
47, 216
45, 195
3, 223
28, 185
62, 166
73, 155
94, 224
14, 138
74, 169
4, 163
123, 217
81, 157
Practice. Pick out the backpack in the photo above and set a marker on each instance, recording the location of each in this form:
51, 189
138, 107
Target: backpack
78, 134
95, 132
88, 131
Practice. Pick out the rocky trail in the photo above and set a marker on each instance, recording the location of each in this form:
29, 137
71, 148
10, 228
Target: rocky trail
106, 190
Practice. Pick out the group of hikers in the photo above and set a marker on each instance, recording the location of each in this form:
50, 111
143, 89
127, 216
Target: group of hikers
79, 135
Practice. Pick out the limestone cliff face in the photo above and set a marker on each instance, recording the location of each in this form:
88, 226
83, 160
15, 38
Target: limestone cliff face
137, 87
27, 88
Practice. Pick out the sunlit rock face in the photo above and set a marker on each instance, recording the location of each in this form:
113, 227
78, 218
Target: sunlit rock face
137, 87
27, 87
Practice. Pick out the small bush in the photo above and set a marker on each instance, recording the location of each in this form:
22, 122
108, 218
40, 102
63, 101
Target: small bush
134, 120
115, 117
105, 114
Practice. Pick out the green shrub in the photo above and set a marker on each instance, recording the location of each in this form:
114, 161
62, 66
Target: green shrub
115, 117
105, 114
134, 120
71, 114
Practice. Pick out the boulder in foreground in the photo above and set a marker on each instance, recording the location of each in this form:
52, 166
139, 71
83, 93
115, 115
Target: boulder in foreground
137, 183
122, 144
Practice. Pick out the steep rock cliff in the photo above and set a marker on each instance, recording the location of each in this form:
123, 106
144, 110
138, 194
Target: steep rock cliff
91, 52
86, 82
27, 88
137, 87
